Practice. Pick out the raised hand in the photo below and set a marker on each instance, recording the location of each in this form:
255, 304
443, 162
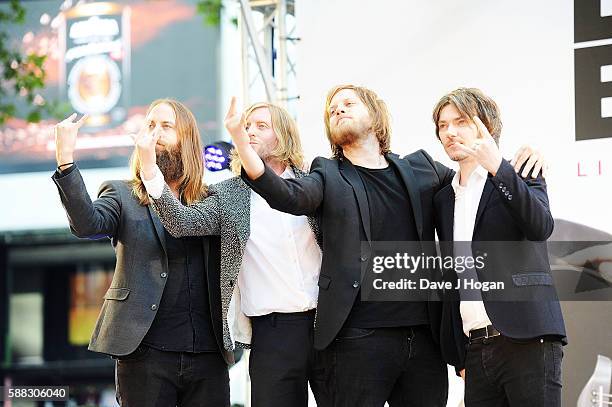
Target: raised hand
484, 150
145, 142
535, 161
65, 138
235, 124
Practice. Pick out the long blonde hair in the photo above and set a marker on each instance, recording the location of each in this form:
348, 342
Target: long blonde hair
191, 183
289, 147
381, 119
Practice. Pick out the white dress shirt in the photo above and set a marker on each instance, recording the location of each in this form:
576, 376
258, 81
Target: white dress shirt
467, 199
281, 262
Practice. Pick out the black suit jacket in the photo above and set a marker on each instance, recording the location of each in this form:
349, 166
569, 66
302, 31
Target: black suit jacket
335, 194
512, 224
138, 238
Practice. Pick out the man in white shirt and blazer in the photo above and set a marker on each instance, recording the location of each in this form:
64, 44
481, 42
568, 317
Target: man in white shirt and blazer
506, 343
269, 259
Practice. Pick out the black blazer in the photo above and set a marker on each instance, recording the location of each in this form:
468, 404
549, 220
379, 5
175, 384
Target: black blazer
335, 194
516, 211
138, 238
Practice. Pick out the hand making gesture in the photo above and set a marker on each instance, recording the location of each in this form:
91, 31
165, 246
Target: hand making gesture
65, 138
485, 149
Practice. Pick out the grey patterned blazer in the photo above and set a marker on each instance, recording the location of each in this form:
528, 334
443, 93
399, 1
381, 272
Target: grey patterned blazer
225, 212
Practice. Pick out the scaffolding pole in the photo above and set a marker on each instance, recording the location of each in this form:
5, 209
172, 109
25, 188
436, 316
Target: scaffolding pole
265, 40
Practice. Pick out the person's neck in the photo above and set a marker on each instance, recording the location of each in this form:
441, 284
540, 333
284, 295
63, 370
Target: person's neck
365, 153
276, 165
466, 168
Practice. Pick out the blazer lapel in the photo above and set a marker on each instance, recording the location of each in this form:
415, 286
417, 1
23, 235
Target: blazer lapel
349, 173
159, 228
445, 201
412, 185
484, 200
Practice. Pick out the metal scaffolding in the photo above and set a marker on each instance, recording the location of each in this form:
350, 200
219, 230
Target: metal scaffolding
267, 35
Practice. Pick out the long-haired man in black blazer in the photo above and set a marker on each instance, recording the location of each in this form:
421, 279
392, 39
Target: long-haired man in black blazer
505, 342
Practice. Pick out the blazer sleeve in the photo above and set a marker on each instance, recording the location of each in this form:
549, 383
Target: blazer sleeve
88, 219
301, 196
527, 201
198, 219
445, 174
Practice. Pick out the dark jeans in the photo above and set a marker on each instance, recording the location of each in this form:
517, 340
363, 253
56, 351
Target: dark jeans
500, 371
402, 366
283, 361
153, 378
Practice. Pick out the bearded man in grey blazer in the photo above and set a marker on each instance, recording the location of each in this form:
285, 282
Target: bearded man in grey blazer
270, 261
161, 319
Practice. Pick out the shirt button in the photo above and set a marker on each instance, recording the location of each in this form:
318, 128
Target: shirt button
355, 283
503, 189
510, 197
153, 307
506, 193
363, 258
164, 275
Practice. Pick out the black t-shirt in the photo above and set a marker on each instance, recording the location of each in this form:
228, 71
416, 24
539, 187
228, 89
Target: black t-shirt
391, 219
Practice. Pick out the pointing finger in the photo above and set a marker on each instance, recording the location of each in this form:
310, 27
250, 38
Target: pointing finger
155, 138
232, 108
484, 132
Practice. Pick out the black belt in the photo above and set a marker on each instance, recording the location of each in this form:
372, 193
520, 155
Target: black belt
286, 316
488, 331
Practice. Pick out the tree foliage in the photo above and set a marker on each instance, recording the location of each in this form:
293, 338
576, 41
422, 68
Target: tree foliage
23, 76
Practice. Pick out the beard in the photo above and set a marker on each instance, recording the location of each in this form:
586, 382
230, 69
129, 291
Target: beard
458, 157
344, 134
264, 152
170, 164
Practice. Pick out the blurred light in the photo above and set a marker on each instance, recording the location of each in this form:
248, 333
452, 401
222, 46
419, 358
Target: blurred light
28, 37
44, 19
39, 100
217, 156
66, 5
55, 23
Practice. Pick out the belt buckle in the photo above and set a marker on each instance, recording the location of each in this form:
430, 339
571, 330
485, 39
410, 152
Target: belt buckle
492, 335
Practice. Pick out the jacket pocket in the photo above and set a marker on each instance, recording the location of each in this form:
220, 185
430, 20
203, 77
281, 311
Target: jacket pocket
118, 294
529, 279
324, 282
